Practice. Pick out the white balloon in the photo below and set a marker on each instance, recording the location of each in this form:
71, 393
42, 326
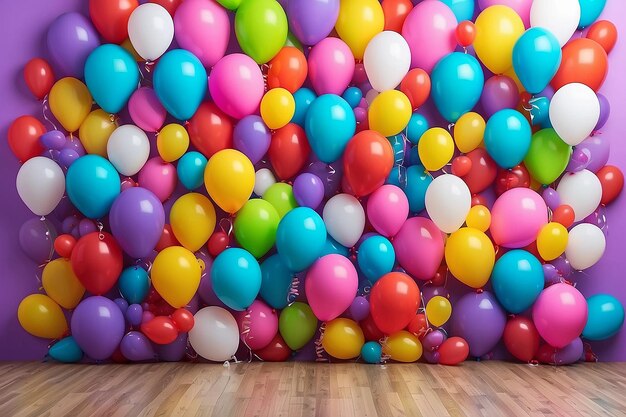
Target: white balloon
387, 59
128, 149
560, 17
40, 184
448, 200
151, 30
585, 246
215, 335
582, 191
263, 179
345, 219
574, 112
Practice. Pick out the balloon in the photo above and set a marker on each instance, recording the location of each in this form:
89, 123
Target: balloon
402, 346
574, 112
308, 190
111, 18
438, 311
479, 217
389, 113
160, 330
517, 280
276, 351
419, 247
98, 327
176, 275
516, 218
211, 130
482, 173
303, 98
582, 191
60, 283
40, 316
70, 39
590, 10
515, 177
368, 159
312, 21
258, 325
500, 92
288, 150
66, 350
470, 255
448, 201
300, 238
280, 196
276, 281
560, 314
229, 179
331, 284
360, 308
297, 325
193, 219
70, 102
288, 69
394, 300
432, 340
190, 170
371, 352
552, 241
40, 184
453, 351
236, 278
263, 180
465, 33
387, 209
175, 351
92, 185
261, 29
151, 30
172, 142
23, 137
612, 182
128, 149
416, 86
39, 77
159, 177
331, 65
387, 60
358, 22
536, 58
38, 240
277, 108
97, 262
521, 338
547, 156
560, 17
343, 338
252, 137
136, 347
497, 30
146, 110
236, 85
95, 132
585, 246
215, 334
602, 31
344, 218
218, 242
584, 61
605, 319
564, 215
329, 126
134, 284
255, 226
507, 137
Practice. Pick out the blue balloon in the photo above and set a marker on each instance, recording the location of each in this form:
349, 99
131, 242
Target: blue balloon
457, 83
190, 169
236, 278
517, 280
417, 126
333, 247
414, 156
134, 284
329, 126
605, 317
303, 98
180, 82
590, 10
300, 238
417, 182
66, 350
353, 96
462, 9
507, 138
276, 281
92, 185
539, 111
398, 145
397, 176
371, 352
376, 257
111, 75
536, 58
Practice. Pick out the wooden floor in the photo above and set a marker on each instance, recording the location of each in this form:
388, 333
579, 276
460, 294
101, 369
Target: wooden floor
310, 389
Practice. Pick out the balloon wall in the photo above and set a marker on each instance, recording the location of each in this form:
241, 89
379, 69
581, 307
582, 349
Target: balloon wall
318, 180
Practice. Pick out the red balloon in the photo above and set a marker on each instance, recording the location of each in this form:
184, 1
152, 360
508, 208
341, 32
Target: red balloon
23, 137
64, 245
395, 12
394, 301
160, 330
516, 177
289, 150
153, 296
461, 166
183, 320
416, 86
276, 351
479, 200
167, 239
531, 248
288, 69
483, 173
546, 354
169, 5
367, 162
110, 17
564, 214
161, 308
521, 338
39, 77
440, 276
612, 181
584, 61
218, 242
210, 129
97, 262
418, 325
603, 32
465, 33
453, 351
370, 330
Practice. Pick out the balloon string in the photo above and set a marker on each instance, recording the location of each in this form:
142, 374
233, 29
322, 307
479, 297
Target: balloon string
384, 358
226, 224
293, 293
320, 353
100, 228
45, 108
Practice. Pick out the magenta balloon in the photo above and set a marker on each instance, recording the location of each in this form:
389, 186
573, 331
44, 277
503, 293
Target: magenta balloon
517, 216
146, 110
560, 314
433, 340
71, 38
387, 209
136, 347
258, 325
312, 20
98, 327
159, 177
500, 92
331, 65
419, 247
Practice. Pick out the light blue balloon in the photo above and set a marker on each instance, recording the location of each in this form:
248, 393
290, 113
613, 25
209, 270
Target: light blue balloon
376, 257
303, 99
236, 278
462, 9
371, 352
539, 111
590, 10
536, 58
397, 176
605, 317
134, 284
398, 145
180, 82
353, 96
92, 184
329, 126
333, 247
190, 169
111, 75
507, 138
417, 182
276, 281
66, 350
418, 125
457, 83
300, 238
517, 280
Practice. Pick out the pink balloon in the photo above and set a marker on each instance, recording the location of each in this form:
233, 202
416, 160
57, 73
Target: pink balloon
419, 247
521, 7
331, 66
560, 314
517, 216
429, 29
258, 325
331, 285
236, 85
387, 210
146, 110
202, 27
159, 177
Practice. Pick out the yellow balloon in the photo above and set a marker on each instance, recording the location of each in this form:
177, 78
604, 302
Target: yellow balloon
358, 22
479, 217
277, 108
497, 30
176, 275
435, 148
469, 131
552, 241
61, 284
172, 142
40, 316
470, 256
438, 310
70, 102
229, 179
192, 219
403, 346
95, 131
389, 112
131, 49
343, 338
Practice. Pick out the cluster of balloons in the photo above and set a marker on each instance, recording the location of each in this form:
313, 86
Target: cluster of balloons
306, 182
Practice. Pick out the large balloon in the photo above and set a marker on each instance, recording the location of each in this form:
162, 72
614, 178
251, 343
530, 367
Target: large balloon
561, 17
258, 325
23, 137
387, 60
517, 216
389, 113
255, 226
470, 256
176, 275
394, 300
151, 30
344, 218
560, 314
497, 30
70, 102
517, 280
419, 247
330, 123
312, 21
536, 58
236, 278
40, 316
368, 159
585, 246
215, 334
358, 22
288, 151
96, 129
521, 338
547, 156
211, 130
582, 191
574, 112
387, 209
288, 69
448, 201
331, 285
92, 185
111, 18
128, 149
507, 137
70, 40
331, 65
300, 238
585, 62
297, 325
261, 28
276, 282
343, 338
376, 257
605, 319
98, 327
97, 262
229, 179
40, 184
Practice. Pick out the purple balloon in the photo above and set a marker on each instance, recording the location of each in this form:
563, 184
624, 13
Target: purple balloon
53, 139
563, 268
134, 314
329, 174
598, 218
87, 226
252, 137
122, 304
67, 157
433, 340
37, 239
428, 292
308, 190
312, 20
71, 38
137, 219
550, 274
605, 111
551, 197
69, 223
569, 354
579, 160
360, 308
360, 113
598, 147
175, 351
136, 347
500, 92
479, 319
431, 356
98, 327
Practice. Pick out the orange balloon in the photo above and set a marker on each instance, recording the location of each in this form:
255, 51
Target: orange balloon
288, 69
465, 33
367, 162
584, 61
416, 86
603, 32
395, 12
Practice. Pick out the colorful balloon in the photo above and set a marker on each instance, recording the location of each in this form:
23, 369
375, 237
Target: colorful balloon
403, 346
419, 247
192, 218
70, 39
394, 300
331, 65
236, 278
297, 325
331, 285
358, 22
40, 316
98, 327
560, 314
605, 319
255, 226
470, 256
368, 159
229, 179
175, 275
517, 216
150, 30
261, 28
329, 125
70, 102
507, 138
517, 280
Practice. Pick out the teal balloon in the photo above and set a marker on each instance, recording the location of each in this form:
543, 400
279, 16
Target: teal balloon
92, 184
398, 145
417, 126
417, 182
276, 281
111, 75
536, 58
605, 317
333, 247
329, 124
371, 352
539, 111
66, 350
303, 99
376, 257
134, 284
590, 10
353, 96
300, 238
414, 156
190, 169
517, 279
507, 138
462, 9
457, 83
236, 278
397, 176
180, 82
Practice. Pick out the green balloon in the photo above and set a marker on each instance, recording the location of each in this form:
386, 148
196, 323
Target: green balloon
293, 41
255, 226
230, 4
547, 157
297, 325
280, 195
261, 28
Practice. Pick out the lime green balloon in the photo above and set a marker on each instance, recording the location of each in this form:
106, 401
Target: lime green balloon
297, 325
280, 195
230, 4
547, 157
255, 226
293, 41
261, 28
